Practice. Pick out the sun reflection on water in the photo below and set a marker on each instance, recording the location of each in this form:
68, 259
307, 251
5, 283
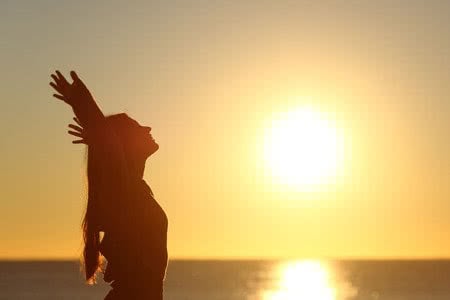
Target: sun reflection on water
303, 280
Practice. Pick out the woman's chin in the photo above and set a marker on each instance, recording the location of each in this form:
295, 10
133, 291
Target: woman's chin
153, 148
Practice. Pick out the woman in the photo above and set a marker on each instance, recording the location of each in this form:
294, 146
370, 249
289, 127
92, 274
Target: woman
120, 203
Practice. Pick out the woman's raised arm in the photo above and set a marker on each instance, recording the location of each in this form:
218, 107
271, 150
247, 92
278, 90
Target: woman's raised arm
109, 167
77, 95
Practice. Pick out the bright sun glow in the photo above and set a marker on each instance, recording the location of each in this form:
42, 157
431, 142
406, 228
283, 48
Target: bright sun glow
303, 148
308, 280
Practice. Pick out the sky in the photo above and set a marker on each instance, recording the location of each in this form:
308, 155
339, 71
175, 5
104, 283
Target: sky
210, 77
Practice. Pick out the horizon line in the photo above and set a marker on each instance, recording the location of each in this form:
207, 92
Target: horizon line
244, 258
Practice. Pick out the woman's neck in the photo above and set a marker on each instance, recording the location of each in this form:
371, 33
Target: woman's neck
137, 169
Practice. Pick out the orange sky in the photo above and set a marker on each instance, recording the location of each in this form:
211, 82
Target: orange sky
206, 76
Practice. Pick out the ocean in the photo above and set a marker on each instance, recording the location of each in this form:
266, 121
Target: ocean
246, 280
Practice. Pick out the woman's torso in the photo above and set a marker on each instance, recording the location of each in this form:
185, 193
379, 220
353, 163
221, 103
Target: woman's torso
138, 257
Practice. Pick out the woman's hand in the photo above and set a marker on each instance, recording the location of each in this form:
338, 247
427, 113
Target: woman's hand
72, 93
79, 98
78, 132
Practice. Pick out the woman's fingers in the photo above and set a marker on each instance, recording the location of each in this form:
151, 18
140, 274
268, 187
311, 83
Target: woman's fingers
76, 133
79, 132
60, 84
56, 87
55, 78
60, 97
74, 76
61, 77
79, 142
75, 127
77, 121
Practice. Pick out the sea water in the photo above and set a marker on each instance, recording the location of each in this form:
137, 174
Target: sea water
246, 280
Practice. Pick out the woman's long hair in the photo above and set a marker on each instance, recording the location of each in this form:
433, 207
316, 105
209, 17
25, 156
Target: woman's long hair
90, 226
102, 174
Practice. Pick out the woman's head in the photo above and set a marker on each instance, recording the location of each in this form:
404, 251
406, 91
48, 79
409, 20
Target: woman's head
136, 139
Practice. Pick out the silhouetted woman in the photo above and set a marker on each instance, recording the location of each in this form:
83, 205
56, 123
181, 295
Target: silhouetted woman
120, 203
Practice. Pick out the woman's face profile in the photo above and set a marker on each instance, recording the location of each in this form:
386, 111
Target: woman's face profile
141, 140
144, 137
137, 139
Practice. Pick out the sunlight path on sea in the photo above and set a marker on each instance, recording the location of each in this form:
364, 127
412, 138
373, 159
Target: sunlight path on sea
309, 279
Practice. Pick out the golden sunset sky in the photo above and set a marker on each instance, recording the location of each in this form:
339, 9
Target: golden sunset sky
211, 78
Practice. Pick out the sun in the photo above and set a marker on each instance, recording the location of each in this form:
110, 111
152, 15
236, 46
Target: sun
303, 148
